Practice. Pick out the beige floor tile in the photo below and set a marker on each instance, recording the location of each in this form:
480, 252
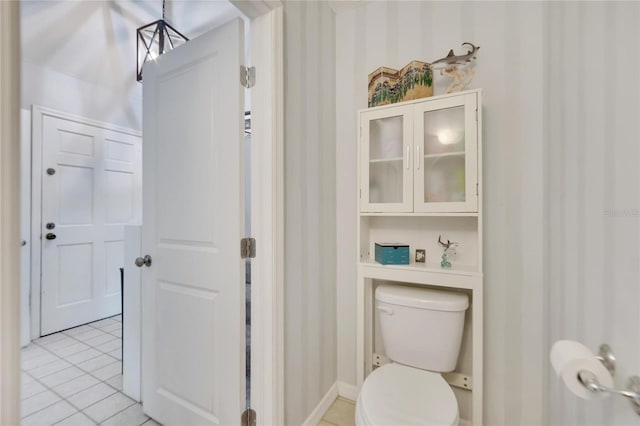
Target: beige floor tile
78, 330
83, 356
70, 350
32, 351
132, 416
100, 340
111, 345
102, 323
341, 413
32, 388
111, 327
49, 368
95, 363
76, 385
58, 344
25, 378
90, 396
77, 419
108, 407
108, 371
324, 423
117, 318
50, 338
50, 415
116, 333
115, 381
61, 377
88, 334
152, 422
39, 361
38, 402
117, 354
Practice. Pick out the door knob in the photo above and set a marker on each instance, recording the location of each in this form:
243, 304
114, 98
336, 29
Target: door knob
50, 225
146, 261
50, 236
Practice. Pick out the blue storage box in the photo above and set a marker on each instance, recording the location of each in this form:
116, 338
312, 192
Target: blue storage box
392, 253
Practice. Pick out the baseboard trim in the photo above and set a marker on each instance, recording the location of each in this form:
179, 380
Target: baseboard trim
348, 391
316, 415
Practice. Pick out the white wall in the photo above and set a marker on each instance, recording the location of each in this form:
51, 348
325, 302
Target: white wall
49, 88
594, 193
511, 70
310, 239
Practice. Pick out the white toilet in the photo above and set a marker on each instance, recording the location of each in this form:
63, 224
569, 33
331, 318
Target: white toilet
422, 331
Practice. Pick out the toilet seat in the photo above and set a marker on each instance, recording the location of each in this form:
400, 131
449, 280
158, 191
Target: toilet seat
396, 395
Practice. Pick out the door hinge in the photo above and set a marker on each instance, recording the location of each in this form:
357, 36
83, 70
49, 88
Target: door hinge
248, 248
247, 76
248, 417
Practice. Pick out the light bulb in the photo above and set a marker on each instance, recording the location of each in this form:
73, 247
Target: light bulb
448, 137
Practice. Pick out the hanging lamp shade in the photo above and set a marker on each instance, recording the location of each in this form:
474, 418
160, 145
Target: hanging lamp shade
154, 39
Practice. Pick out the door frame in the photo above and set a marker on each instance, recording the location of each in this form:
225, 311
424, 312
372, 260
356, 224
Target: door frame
267, 221
267, 209
37, 114
267, 199
9, 212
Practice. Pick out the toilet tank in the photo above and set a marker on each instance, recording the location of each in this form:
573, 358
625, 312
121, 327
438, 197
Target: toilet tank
421, 327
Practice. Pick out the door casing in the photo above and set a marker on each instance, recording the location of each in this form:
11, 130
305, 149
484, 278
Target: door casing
267, 219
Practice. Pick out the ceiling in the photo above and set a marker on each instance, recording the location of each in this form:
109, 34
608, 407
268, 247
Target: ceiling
95, 41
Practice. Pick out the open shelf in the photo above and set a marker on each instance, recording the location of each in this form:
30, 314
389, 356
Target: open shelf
456, 269
459, 276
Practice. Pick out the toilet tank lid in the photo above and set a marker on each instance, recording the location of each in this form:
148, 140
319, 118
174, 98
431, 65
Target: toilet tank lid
422, 298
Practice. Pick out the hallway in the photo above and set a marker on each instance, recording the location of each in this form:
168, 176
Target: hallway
74, 377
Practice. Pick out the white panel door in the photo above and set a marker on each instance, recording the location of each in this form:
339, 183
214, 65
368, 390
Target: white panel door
91, 188
193, 291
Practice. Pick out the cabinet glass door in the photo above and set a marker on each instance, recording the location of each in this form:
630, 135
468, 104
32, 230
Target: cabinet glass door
386, 181
446, 155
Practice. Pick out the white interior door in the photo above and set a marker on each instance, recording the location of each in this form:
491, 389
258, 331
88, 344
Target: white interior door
193, 291
91, 183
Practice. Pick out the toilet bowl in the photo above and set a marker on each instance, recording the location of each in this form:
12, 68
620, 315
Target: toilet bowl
398, 395
421, 330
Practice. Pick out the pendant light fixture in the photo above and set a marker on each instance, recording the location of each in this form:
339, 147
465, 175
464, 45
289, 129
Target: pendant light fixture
154, 39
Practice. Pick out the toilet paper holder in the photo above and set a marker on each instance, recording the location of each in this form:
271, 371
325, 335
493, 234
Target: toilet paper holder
591, 383
605, 356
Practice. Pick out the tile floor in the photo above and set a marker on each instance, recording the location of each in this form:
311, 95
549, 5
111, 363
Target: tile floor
341, 413
74, 378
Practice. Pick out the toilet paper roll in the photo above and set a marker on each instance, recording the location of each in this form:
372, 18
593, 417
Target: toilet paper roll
568, 358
